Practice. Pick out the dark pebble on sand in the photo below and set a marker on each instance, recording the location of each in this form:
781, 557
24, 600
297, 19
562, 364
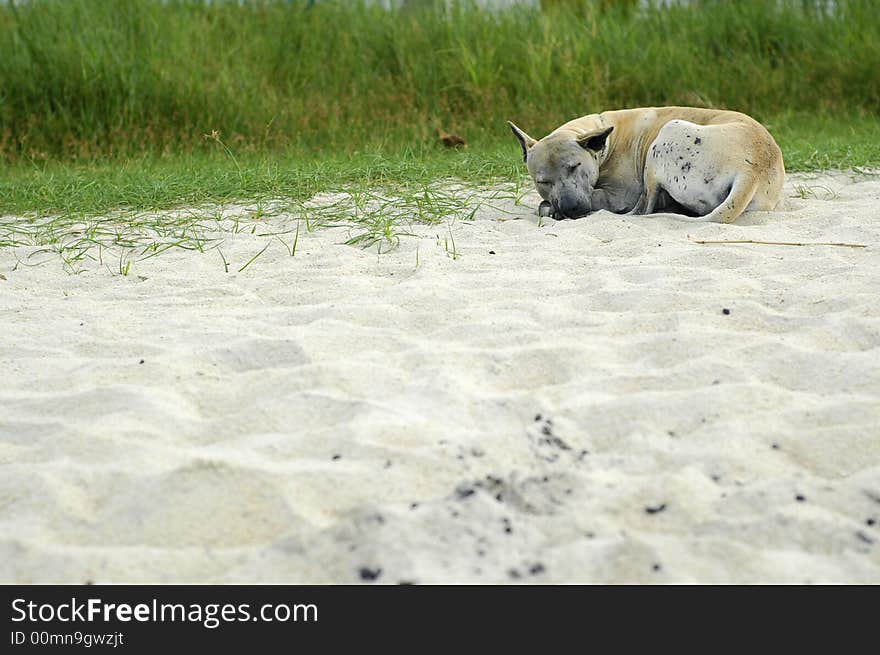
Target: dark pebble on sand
656, 509
656, 567
871, 522
775, 446
725, 311
800, 498
367, 574
491, 252
413, 505
141, 362
464, 492
537, 417
336, 457
537, 569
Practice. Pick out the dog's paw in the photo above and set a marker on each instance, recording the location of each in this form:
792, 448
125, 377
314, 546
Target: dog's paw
545, 209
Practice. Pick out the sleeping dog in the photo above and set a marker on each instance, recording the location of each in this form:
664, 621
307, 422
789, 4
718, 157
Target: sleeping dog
701, 164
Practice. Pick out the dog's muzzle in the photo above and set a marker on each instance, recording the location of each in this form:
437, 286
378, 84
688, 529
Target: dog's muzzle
560, 211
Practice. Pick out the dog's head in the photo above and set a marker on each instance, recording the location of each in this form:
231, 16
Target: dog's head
565, 167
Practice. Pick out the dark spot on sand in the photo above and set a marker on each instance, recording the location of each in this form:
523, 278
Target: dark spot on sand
863, 537
513, 573
387, 464
800, 498
537, 568
538, 417
413, 505
716, 478
508, 529
89, 582
725, 311
141, 362
464, 491
656, 509
871, 522
686, 167
405, 582
368, 575
336, 457
591, 535
491, 252
775, 446
656, 567
697, 141
556, 441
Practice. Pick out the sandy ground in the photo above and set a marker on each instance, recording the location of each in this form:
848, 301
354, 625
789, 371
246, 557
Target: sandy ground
566, 402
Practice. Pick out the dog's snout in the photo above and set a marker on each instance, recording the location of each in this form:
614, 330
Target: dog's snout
569, 206
565, 204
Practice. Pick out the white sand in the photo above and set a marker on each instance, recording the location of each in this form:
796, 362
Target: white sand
213, 460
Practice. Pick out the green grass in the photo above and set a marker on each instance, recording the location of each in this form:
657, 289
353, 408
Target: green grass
89, 79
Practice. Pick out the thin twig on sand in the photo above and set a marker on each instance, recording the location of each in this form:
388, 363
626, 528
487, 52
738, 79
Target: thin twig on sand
782, 243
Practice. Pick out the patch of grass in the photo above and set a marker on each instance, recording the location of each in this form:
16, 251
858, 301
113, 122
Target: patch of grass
194, 203
90, 79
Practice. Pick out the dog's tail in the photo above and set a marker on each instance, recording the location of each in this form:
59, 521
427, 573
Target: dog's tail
736, 202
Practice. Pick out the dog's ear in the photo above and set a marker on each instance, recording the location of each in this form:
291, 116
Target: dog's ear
525, 141
594, 140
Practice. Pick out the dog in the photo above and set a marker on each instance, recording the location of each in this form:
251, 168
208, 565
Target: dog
699, 164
